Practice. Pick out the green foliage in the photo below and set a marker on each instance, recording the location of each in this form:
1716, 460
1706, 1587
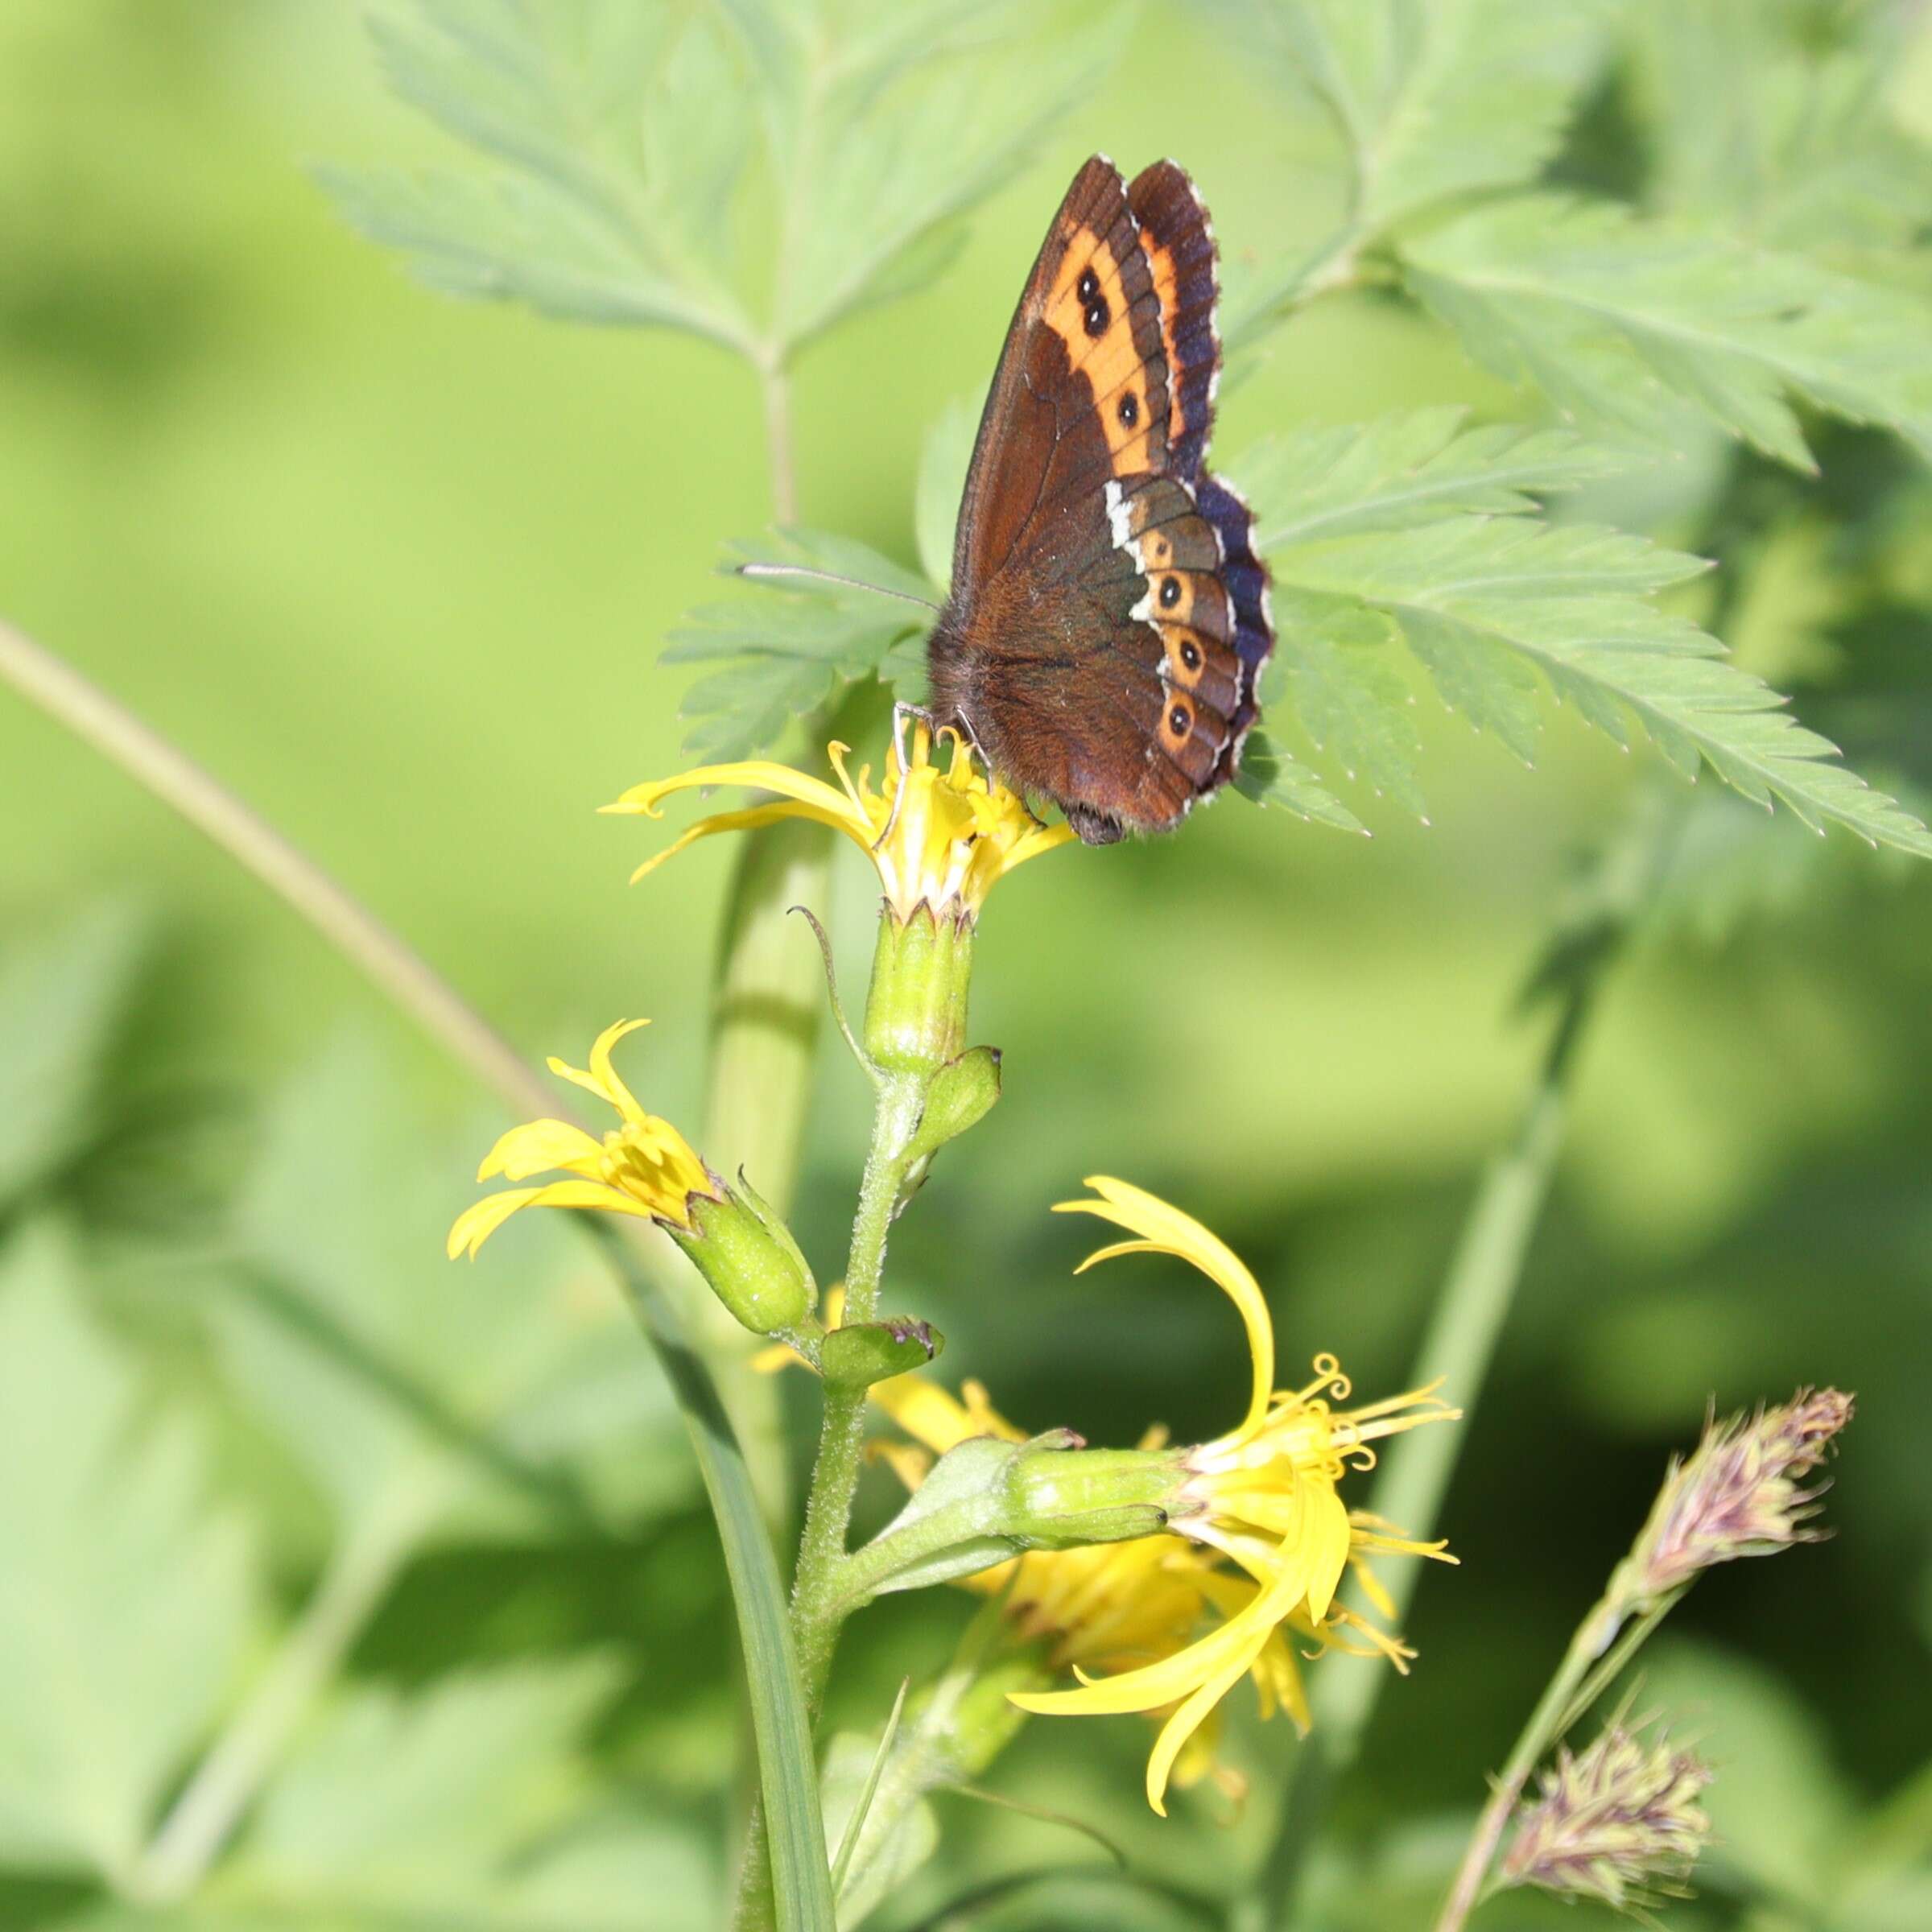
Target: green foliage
1631, 325
61, 1004
615, 190
1429, 102
413, 1390
1376, 537
789, 650
128, 1599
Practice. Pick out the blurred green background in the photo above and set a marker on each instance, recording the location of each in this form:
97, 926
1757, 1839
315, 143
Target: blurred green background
396, 569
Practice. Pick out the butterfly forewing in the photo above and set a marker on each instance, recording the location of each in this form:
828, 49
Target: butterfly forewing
1109, 619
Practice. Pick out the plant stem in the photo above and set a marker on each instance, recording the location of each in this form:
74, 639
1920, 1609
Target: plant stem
224, 1783
774, 381
350, 927
787, 1767
1417, 1467
818, 1610
1545, 1725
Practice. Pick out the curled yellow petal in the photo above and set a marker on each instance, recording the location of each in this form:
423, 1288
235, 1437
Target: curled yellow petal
761, 774
1165, 1229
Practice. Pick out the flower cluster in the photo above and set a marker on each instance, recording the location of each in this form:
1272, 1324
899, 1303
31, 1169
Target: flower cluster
1618, 1821
941, 836
1258, 1540
1739, 1494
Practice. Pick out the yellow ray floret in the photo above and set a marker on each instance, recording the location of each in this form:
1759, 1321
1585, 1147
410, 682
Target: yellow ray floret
642, 1166
939, 836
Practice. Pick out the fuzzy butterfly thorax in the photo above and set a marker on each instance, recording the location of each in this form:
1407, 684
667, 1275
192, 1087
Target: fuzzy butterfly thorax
1108, 618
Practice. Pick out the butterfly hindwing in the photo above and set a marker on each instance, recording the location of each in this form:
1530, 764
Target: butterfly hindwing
1109, 616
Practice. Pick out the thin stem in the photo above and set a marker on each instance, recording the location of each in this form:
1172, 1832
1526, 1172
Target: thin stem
1545, 1726
225, 1781
775, 381
354, 931
1417, 1467
818, 1610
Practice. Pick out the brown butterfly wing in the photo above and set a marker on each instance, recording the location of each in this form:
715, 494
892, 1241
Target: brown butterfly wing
1100, 642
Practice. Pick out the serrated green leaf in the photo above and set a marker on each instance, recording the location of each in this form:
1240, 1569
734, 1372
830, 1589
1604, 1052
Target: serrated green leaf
886, 127
1478, 600
61, 1000
1753, 125
1331, 671
127, 1602
578, 216
1430, 102
1269, 777
788, 644
1403, 470
1638, 325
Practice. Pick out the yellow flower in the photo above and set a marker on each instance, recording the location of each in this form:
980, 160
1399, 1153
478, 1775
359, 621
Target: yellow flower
941, 836
642, 1166
1265, 1497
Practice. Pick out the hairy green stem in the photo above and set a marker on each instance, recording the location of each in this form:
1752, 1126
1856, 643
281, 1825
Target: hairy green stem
818, 1607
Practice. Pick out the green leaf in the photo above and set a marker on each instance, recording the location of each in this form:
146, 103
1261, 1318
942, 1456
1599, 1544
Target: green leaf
892, 1839
886, 127
1483, 602
1333, 674
1785, 145
944, 457
1400, 471
1637, 326
788, 645
127, 1603
407, 1384
1430, 102
61, 1002
578, 217
1269, 777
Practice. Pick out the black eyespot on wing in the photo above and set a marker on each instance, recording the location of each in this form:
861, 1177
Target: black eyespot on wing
1179, 719
1098, 316
1128, 410
1089, 286
1170, 593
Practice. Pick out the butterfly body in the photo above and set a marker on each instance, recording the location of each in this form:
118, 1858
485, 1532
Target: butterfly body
1108, 618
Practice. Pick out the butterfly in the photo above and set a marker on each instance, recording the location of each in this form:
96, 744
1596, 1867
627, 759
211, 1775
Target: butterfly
1108, 618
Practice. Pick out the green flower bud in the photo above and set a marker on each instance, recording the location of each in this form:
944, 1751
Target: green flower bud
866, 1352
915, 1012
749, 1258
961, 1095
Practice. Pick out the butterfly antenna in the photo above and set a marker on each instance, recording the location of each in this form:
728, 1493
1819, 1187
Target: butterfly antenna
827, 577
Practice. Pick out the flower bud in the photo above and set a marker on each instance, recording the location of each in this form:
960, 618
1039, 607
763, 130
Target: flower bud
1618, 1822
865, 1352
962, 1094
748, 1255
915, 1012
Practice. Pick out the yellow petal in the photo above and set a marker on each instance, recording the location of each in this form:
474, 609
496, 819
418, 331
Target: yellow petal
601, 1071
537, 1146
762, 774
1166, 1229
749, 820
478, 1223
1188, 1719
